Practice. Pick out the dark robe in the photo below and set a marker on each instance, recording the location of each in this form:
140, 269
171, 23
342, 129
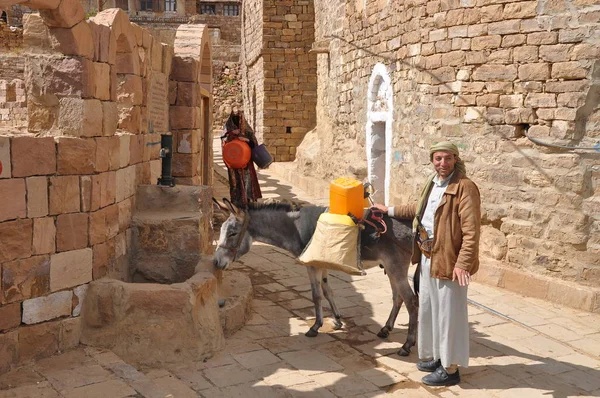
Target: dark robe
243, 183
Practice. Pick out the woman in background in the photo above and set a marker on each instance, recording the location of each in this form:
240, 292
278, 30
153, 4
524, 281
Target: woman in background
243, 183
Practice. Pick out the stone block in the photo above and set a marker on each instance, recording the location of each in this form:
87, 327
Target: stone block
151, 148
16, 239
110, 118
136, 148
77, 40
12, 195
168, 54
103, 154
70, 333
511, 101
66, 15
185, 165
5, 164
130, 119
104, 224
188, 94
25, 278
76, 155
86, 192
71, 231
585, 51
525, 54
78, 297
64, 195
540, 71
520, 10
39, 341
37, 196
540, 100
519, 116
184, 69
125, 183
70, 269
539, 38
35, 32
104, 258
556, 53
101, 81
33, 156
44, 233
125, 213
495, 73
129, 90
526, 284
49, 307
187, 141
488, 100
104, 188
124, 151
80, 117
569, 70
571, 100
513, 40
51, 77
185, 117
10, 317
486, 42
9, 350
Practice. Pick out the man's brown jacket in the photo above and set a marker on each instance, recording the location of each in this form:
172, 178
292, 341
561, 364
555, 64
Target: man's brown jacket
457, 223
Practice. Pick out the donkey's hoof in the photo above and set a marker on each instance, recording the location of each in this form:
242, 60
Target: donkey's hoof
383, 333
337, 324
404, 352
311, 333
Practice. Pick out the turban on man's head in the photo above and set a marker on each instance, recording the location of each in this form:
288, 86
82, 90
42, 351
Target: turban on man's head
447, 146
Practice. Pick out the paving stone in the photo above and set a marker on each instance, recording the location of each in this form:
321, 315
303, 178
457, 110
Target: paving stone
40, 390
228, 375
310, 362
192, 377
345, 384
110, 388
172, 385
287, 378
256, 359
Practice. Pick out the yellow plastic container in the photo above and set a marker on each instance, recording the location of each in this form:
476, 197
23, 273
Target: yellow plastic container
346, 195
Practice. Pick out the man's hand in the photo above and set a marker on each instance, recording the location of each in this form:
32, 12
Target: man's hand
463, 277
381, 207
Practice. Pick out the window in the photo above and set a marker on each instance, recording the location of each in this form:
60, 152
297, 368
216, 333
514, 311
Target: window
122, 4
208, 9
146, 5
170, 5
231, 9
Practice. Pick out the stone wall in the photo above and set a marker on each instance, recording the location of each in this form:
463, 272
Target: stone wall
99, 94
394, 77
279, 72
11, 38
227, 85
13, 103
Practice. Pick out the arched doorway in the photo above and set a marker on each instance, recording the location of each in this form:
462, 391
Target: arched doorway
379, 132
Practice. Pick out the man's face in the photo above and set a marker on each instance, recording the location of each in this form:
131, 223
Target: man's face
443, 163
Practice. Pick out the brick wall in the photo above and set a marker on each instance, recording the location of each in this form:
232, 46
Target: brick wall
481, 74
13, 103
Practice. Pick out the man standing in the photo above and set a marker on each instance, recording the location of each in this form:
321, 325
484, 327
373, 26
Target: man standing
446, 224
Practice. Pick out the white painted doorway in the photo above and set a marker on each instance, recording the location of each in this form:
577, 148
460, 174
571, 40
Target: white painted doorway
379, 132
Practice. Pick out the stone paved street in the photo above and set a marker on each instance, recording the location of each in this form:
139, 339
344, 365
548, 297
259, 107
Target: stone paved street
520, 347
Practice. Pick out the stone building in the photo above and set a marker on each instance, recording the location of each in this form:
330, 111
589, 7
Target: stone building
515, 84
97, 94
279, 72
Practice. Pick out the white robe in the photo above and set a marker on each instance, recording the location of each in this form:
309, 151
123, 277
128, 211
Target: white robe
443, 318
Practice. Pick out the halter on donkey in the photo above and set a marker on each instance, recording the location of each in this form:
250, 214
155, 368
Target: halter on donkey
282, 226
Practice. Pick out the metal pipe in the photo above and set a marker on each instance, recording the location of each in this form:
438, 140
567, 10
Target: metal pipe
166, 154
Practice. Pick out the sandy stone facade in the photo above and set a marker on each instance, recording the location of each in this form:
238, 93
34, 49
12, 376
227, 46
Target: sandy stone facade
98, 94
396, 76
279, 72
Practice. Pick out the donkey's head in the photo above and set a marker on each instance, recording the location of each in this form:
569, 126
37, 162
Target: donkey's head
234, 239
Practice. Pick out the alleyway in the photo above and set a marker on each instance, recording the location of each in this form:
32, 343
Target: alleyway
520, 347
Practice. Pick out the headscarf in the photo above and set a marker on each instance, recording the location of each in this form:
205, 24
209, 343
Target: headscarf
444, 146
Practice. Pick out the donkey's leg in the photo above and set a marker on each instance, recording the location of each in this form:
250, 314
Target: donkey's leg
328, 293
397, 304
315, 274
412, 305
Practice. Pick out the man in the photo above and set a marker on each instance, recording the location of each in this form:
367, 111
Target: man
446, 223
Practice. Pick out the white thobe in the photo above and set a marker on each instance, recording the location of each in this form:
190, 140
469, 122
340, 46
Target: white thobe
443, 320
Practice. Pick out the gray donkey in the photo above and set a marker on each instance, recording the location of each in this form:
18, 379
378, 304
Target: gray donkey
291, 229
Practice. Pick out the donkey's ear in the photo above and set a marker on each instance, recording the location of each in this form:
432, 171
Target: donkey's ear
231, 207
221, 206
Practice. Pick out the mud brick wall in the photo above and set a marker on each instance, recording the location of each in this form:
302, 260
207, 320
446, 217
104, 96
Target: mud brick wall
11, 38
97, 97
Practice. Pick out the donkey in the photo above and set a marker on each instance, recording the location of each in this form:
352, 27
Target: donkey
291, 229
